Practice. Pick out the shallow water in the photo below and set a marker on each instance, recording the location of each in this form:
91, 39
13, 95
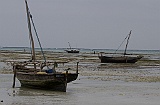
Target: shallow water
98, 83
83, 91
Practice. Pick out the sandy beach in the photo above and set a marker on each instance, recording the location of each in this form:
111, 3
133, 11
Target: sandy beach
98, 83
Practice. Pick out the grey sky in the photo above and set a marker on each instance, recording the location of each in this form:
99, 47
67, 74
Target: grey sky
83, 23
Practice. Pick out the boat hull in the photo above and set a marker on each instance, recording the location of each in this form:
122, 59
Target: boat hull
73, 51
57, 81
123, 59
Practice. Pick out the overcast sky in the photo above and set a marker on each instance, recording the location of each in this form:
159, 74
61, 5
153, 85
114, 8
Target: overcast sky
83, 23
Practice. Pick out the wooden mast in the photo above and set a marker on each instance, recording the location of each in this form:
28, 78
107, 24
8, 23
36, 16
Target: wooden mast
69, 45
127, 42
30, 33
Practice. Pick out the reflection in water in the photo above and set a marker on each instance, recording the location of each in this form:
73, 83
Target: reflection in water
27, 96
38, 92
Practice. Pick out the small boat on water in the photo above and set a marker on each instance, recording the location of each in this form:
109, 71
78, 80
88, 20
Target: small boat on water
38, 74
125, 58
71, 50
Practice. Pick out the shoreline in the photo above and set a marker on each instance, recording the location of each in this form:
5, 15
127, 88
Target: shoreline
99, 83
89, 64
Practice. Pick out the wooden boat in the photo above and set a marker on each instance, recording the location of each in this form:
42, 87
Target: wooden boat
71, 50
37, 74
42, 79
120, 59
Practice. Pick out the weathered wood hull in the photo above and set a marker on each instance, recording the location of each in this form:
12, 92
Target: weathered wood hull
57, 81
72, 51
123, 59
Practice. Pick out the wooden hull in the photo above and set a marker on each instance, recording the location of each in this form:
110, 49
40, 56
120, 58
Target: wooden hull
57, 82
72, 51
123, 59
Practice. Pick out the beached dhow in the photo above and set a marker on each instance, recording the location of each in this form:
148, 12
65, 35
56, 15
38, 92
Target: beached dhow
38, 74
125, 58
119, 59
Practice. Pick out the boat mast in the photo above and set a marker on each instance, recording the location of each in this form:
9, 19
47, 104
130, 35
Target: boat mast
127, 42
69, 45
30, 32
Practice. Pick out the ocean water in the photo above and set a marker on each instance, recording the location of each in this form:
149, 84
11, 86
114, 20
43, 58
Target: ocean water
83, 50
104, 84
86, 90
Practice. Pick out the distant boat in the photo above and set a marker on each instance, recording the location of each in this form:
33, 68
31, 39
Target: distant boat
120, 59
32, 73
71, 50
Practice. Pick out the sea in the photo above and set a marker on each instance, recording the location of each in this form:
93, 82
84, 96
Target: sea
96, 84
83, 50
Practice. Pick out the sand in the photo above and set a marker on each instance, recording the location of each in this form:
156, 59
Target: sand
104, 84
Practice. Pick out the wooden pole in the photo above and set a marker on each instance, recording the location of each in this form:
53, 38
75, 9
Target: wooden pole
69, 45
77, 68
14, 77
66, 80
127, 42
30, 33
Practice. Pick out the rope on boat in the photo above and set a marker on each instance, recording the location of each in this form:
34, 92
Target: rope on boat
121, 43
37, 36
30, 18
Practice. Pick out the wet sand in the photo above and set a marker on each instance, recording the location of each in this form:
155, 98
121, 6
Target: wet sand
112, 84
